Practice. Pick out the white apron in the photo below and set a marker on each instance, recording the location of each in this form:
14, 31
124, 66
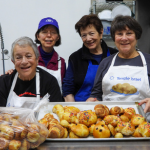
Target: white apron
134, 75
14, 100
55, 73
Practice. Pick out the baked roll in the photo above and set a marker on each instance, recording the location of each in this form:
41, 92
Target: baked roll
101, 130
87, 117
116, 110
14, 145
129, 112
137, 119
101, 110
4, 144
112, 119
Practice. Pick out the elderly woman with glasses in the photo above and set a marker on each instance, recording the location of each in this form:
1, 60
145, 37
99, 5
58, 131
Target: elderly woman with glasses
27, 84
83, 63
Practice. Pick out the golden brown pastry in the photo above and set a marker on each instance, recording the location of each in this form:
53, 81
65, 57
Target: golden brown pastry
72, 135
66, 133
80, 130
137, 133
124, 118
43, 131
112, 119
87, 117
33, 136
59, 110
4, 144
70, 117
14, 145
118, 135
101, 130
71, 109
126, 128
144, 129
56, 131
6, 132
52, 122
129, 112
112, 129
44, 121
137, 119
91, 128
116, 110
101, 110
20, 132
25, 145
48, 116
64, 123
98, 120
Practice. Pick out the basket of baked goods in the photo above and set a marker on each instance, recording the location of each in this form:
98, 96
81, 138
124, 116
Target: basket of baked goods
19, 129
94, 121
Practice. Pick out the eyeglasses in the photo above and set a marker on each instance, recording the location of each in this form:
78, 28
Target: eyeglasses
52, 33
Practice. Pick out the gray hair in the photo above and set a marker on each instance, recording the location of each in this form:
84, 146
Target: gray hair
23, 42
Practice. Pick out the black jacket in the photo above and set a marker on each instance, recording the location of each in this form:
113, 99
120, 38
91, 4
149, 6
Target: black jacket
79, 62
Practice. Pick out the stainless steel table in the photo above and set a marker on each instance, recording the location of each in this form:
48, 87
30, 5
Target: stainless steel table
102, 145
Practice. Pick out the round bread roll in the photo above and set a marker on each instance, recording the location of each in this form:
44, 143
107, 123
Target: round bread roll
101, 110
25, 145
112, 119
144, 129
80, 130
33, 136
64, 123
66, 133
116, 110
14, 145
137, 119
124, 118
87, 117
6, 132
4, 144
101, 130
118, 135
129, 112
48, 116
20, 132
126, 128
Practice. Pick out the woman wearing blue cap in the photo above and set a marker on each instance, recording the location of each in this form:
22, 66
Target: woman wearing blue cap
48, 36
83, 63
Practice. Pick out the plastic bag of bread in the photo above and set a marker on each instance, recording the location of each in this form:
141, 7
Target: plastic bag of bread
19, 129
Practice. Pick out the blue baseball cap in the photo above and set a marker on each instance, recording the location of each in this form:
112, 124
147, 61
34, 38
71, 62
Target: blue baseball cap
48, 21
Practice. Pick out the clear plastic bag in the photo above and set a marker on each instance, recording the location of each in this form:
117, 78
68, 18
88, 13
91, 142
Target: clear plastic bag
19, 129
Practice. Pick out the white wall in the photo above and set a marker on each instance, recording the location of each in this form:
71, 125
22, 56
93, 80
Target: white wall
21, 17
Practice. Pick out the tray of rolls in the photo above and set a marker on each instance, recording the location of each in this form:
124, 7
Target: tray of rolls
98, 121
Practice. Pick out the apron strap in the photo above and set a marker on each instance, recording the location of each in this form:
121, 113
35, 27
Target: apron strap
37, 85
59, 62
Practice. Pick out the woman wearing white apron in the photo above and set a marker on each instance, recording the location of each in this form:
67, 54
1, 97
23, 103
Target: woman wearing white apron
125, 75
27, 84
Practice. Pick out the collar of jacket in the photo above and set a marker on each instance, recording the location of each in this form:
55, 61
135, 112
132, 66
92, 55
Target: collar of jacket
54, 58
87, 55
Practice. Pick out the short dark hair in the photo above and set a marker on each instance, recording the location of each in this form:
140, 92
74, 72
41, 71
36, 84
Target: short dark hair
121, 22
44, 27
86, 20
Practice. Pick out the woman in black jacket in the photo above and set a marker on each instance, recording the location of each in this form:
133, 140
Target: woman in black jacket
83, 63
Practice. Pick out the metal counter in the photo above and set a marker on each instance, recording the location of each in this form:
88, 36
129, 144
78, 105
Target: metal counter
104, 145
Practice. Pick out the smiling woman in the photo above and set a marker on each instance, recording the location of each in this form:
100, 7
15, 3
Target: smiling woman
127, 70
28, 83
83, 63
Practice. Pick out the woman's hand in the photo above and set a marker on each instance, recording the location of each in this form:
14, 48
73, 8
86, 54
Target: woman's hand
91, 99
147, 106
69, 98
9, 71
